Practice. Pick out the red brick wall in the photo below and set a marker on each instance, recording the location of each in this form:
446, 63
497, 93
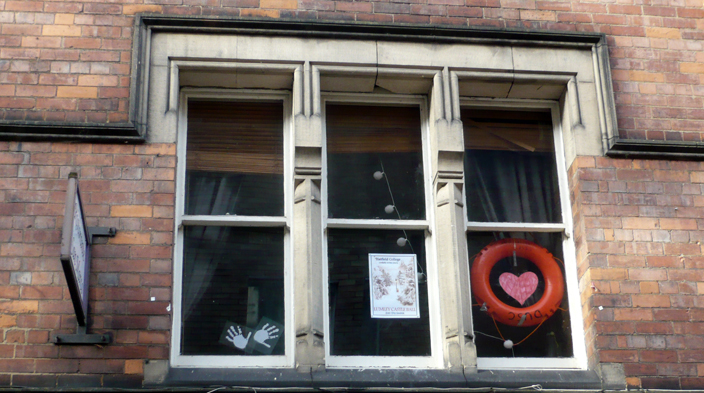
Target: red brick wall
70, 60
640, 224
637, 222
124, 186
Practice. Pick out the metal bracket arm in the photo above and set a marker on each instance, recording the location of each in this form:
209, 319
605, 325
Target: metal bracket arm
82, 338
100, 231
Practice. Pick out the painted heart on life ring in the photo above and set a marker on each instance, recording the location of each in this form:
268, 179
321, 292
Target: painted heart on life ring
519, 287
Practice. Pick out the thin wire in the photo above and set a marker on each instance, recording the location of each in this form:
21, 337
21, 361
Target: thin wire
502, 336
489, 335
497, 327
531, 333
391, 194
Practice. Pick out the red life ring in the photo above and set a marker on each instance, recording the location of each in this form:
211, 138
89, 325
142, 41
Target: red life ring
502, 312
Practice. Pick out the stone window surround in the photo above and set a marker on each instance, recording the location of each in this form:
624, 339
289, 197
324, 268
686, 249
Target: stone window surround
567, 73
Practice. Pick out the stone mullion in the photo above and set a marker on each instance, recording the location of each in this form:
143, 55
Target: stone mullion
307, 223
447, 145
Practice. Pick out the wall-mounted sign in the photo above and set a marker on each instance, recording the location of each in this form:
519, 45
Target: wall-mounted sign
75, 250
393, 286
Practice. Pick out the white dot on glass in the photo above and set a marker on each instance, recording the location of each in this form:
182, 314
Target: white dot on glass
401, 241
389, 209
508, 344
378, 175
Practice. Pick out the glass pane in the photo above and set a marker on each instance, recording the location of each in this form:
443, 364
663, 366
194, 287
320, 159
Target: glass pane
352, 330
510, 167
234, 159
364, 140
232, 276
552, 338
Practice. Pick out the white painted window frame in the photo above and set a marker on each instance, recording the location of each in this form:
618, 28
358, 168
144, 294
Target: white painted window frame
573, 76
181, 220
579, 359
360, 362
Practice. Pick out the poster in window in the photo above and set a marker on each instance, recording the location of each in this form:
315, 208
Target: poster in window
393, 286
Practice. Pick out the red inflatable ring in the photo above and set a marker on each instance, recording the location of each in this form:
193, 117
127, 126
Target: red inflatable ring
502, 312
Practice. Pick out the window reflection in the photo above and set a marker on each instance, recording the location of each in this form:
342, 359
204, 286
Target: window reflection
352, 330
230, 275
510, 172
364, 140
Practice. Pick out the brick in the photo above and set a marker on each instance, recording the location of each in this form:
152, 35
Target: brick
130, 211
618, 356
645, 76
61, 30
19, 249
34, 380
538, 15
696, 68
128, 237
612, 300
100, 366
691, 356
97, 80
647, 274
100, 56
654, 328
77, 92
155, 280
640, 223
17, 365
134, 366
42, 292
156, 149
608, 274
649, 287
147, 337
150, 252
127, 294
664, 261
626, 261
633, 314
19, 306
56, 103
131, 9
38, 336
651, 301
658, 356
82, 43
662, 32
24, 5
41, 42
8, 321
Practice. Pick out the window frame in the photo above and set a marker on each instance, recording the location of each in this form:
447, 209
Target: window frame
434, 361
304, 57
566, 227
181, 220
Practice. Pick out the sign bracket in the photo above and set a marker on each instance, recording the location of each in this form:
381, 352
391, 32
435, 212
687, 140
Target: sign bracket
76, 240
82, 337
100, 231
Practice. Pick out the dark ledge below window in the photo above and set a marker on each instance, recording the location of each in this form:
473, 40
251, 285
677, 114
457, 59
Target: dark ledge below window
73, 132
657, 149
158, 374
